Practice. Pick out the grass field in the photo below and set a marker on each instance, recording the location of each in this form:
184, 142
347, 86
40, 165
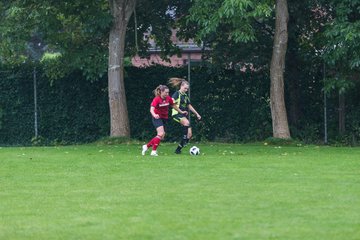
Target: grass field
231, 191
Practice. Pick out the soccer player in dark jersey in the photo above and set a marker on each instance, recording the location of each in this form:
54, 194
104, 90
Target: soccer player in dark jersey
182, 100
159, 110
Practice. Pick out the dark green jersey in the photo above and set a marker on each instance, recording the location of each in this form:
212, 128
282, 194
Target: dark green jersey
181, 100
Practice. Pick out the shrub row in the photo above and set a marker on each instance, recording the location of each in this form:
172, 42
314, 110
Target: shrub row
234, 106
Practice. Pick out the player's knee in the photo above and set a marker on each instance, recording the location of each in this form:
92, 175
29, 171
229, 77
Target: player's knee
162, 135
185, 123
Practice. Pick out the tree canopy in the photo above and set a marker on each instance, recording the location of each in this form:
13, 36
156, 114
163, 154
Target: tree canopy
68, 36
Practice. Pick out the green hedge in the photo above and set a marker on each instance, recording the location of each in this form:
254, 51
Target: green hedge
234, 106
70, 110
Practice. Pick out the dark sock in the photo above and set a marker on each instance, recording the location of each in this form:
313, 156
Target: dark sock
185, 131
183, 143
184, 139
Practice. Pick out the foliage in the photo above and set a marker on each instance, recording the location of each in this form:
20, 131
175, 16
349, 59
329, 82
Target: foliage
66, 113
82, 34
154, 21
239, 33
238, 15
72, 110
78, 33
341, 40
1, 116
38, 141
73, 44
234, 106
341, 85
343, 34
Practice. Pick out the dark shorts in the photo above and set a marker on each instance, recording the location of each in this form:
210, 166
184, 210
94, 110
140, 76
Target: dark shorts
179, 116
159, 122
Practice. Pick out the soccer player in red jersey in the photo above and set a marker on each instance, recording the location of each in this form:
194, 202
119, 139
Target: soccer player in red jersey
159, 110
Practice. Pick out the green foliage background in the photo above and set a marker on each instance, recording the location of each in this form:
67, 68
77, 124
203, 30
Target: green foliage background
234, 106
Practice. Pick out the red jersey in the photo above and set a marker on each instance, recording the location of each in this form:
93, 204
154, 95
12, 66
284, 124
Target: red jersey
162, 106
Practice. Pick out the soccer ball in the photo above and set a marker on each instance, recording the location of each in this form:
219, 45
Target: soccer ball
194, 150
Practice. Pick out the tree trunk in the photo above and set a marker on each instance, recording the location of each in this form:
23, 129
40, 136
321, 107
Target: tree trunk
341, 113
277, 68
121, 11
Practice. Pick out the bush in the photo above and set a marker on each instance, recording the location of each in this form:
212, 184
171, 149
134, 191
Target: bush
234, 106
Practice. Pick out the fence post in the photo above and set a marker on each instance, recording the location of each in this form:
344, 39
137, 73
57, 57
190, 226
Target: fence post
35, 104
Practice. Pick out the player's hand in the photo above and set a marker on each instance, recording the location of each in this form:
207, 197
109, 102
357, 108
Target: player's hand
185, 113
156, 116
198, 117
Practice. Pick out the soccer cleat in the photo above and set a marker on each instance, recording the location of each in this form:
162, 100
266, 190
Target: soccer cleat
144, 149
178, 151
154, 153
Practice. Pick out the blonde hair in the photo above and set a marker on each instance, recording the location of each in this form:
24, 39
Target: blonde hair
159, 89
177, 82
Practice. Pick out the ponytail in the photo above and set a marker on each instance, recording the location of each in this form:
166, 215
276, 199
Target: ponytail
177, 82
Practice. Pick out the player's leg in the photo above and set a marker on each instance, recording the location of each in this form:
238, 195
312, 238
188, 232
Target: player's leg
186, 134
157, 139
159, 124
189, 135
